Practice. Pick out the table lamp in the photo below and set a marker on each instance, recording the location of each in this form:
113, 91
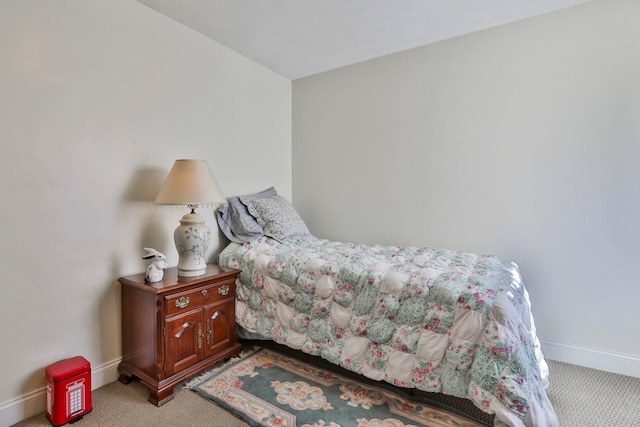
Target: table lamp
191, 183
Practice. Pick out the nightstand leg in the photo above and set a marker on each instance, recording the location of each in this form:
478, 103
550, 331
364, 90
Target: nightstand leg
125, 375
158, 397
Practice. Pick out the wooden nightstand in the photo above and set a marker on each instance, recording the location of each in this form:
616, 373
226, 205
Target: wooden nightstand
176, 328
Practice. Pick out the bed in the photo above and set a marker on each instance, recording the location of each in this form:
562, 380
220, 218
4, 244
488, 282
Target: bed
435, 320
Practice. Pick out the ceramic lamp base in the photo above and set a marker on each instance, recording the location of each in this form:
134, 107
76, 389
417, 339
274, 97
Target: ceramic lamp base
192, 240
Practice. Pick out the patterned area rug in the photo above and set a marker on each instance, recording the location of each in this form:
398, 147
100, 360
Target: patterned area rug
267, 388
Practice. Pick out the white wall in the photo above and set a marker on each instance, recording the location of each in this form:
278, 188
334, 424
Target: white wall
521, 141
97, 100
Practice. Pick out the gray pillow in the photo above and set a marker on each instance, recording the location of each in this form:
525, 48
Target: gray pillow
277, 216
236, 222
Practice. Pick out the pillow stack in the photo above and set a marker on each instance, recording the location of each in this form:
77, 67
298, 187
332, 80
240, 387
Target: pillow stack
247, 218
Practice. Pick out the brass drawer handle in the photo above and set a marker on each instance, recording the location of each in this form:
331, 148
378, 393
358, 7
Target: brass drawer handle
223, 290
182, 302
204, 292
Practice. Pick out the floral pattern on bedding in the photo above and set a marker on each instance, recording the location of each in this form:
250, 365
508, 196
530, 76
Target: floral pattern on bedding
433, 319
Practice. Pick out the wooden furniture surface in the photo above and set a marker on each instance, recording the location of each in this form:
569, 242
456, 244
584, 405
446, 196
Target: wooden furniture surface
176, 328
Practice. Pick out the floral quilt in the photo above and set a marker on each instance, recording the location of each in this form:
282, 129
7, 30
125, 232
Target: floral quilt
432, 319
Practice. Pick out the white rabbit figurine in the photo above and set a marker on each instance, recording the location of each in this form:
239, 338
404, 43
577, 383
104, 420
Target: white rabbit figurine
155, 270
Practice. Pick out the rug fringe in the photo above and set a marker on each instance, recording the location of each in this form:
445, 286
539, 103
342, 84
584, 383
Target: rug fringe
198, 378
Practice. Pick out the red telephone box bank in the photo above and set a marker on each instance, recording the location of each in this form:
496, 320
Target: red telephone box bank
68, 390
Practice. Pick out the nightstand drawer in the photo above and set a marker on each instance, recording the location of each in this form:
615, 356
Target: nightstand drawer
199, 297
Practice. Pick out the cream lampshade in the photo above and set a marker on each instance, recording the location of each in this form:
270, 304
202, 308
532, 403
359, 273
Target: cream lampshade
191, 183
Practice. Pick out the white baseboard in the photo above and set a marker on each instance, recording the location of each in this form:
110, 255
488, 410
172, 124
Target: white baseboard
34, 403
603, 360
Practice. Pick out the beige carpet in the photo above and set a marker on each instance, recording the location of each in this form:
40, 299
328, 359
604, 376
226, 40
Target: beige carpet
582, 397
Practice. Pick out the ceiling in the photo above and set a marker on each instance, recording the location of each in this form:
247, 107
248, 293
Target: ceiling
299, 38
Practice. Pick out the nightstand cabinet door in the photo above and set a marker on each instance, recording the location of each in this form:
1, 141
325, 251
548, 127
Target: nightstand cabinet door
220, 326
183, 342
